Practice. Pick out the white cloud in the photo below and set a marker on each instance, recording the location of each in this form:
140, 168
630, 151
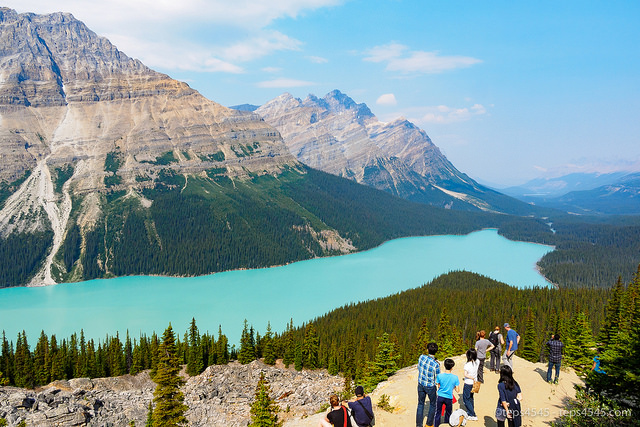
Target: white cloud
165, 55
387, 99
201, 35
317, 59
260, 45
284, 83
442, 114
238, 13
399, 58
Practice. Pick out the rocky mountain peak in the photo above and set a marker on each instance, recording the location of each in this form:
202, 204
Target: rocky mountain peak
73, 106
337, 102
339, 136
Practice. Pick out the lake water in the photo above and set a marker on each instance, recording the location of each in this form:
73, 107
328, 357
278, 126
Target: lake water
302, 290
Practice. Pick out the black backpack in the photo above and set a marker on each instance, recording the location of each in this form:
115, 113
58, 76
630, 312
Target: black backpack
493, 338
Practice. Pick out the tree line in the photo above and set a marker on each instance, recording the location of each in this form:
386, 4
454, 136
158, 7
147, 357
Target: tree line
449, 310
367, 342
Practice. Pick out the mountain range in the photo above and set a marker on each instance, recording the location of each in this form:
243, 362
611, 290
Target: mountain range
110, 168
616, 193
339, 136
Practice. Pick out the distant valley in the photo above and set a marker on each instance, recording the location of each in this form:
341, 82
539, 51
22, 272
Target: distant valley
584, 194
111, 169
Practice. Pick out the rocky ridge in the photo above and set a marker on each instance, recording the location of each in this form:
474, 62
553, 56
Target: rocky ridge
221, 395
71, 102
339, 136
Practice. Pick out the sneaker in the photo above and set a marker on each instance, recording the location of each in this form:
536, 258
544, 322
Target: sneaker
555, 381
472, 418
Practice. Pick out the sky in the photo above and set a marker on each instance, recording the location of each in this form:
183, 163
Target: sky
509, 91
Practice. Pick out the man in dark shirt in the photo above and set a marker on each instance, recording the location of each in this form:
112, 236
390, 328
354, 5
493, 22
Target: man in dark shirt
555, 356
362, 408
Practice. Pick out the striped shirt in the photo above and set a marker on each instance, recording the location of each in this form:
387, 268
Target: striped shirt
428, 368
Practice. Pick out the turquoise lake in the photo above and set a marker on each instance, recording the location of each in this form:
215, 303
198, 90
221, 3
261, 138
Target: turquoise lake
302, 290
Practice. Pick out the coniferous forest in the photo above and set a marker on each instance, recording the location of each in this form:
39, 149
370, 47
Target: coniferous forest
210, 224
368, 341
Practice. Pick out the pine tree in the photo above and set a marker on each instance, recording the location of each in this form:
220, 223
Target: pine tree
310, 348
222, 348
195, 364
290, 347
333, 366
530, 345
264, 410
611, 324
298, 361
169, 401
40, 356
269, 346
6, 359
580, 344
149, 421
128, 354
247, 352
384, 365
445, 338
420, 345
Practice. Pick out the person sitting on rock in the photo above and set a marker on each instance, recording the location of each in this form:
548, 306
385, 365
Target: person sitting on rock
338, 416
362, 408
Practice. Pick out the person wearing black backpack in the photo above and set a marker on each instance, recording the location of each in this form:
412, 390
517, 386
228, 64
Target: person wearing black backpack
496, 338
362, 409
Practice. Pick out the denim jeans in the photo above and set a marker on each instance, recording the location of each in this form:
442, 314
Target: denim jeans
423, 392
448, 404
467, 398
494, 365
551, 365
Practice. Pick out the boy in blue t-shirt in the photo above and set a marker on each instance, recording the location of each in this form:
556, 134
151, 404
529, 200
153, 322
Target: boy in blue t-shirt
447, 383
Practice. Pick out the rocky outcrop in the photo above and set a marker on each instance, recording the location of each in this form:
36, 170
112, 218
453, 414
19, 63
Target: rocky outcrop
339, 136
221, 395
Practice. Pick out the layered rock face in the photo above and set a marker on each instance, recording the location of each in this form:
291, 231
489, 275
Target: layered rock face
78, 117
221, 395
344, 138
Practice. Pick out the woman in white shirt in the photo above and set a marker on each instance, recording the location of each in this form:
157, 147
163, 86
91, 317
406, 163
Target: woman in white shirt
470, 375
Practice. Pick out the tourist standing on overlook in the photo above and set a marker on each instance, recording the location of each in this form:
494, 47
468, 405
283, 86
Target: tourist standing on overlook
555, 356
482, 346
362, 408
470, 375
510, 395
428, 369
496, 338
447, 383
513, 339
338, 416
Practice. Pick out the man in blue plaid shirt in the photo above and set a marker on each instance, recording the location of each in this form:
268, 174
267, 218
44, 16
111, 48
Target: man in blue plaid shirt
555, 356
428, 369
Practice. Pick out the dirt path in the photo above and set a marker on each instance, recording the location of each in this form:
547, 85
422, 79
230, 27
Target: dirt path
542, 402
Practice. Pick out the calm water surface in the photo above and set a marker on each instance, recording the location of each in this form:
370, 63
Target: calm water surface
301, 291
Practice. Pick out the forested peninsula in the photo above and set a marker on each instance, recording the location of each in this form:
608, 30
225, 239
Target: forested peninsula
368, 341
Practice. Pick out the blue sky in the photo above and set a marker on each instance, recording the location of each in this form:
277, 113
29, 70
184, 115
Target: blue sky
508, 90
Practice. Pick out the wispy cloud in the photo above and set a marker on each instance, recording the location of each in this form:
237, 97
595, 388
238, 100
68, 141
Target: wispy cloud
262, 44
387, 99
399, 58
200, 35
317, 59
440, 114
284, 83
